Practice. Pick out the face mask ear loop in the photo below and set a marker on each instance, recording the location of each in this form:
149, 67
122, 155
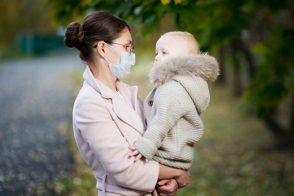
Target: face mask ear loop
107, 60
112, 47
109, 67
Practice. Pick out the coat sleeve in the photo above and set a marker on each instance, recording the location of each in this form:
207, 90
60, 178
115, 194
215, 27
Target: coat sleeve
169, 109
99, 131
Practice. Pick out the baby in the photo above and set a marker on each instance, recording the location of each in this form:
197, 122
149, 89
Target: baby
180, 77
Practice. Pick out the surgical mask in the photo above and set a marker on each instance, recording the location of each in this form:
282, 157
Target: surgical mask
122, 69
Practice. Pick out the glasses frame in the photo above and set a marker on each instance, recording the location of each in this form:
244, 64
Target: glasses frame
130, 45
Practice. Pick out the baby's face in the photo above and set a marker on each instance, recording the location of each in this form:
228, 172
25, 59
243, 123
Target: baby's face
169, 46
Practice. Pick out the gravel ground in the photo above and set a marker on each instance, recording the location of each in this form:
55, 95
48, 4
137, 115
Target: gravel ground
35, 104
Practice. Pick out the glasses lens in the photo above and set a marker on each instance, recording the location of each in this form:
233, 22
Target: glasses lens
132, 49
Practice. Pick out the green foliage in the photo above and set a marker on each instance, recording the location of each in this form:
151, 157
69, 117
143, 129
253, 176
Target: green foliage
271, 6
213, 22
274, 80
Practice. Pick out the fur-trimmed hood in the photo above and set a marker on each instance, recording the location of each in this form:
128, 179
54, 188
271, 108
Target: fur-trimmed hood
193, 73
200, 65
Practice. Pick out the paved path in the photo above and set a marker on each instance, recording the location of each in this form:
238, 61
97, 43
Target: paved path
35, 104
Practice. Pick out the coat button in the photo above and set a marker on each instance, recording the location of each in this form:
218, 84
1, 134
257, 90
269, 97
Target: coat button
150, 103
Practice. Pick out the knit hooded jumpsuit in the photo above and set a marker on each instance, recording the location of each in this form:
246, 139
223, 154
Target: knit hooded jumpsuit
172, 109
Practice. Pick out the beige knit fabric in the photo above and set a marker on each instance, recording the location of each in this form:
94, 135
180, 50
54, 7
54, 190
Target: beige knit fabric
173, 107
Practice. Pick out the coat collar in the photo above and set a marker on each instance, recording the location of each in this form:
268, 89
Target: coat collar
127, 111
106, 92
199, 65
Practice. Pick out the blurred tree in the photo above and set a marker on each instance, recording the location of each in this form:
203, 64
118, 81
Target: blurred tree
21, 16
263, 29
274, 81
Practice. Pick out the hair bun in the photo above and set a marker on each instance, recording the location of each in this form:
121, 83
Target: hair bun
74, 35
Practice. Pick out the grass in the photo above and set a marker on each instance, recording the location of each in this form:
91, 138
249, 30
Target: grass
232, 158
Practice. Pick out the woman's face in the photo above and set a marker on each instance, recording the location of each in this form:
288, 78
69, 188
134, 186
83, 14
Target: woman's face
122, 43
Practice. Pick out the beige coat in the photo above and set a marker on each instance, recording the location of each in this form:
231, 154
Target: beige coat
172, 109
104, 126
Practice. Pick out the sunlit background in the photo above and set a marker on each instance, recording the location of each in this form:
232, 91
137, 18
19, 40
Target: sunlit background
247, 147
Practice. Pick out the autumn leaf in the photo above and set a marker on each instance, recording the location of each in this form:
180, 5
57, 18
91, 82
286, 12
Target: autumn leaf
178, 1
164, 2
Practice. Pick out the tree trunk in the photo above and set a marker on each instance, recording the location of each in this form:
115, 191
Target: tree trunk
292, 115
282, 137
292, 108
237, 89
222, 76
249, 58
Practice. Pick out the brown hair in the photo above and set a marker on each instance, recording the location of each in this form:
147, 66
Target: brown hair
97, 26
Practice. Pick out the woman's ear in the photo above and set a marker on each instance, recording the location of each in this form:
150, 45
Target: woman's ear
101, 48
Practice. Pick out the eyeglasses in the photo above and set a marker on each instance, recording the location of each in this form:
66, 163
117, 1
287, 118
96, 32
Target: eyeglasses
130, 48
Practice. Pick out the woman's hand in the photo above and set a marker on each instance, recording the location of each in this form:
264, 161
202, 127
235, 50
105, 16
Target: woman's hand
136, 152
167, 187
182, 176
183, 179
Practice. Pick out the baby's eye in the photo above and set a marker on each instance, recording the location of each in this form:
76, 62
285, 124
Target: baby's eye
156, 53
163, 53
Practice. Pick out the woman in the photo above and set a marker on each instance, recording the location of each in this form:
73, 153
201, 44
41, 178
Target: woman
108, 114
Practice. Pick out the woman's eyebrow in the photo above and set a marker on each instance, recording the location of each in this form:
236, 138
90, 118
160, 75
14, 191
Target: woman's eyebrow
129, 41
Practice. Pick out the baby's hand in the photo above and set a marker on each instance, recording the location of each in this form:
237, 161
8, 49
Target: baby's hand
136, 152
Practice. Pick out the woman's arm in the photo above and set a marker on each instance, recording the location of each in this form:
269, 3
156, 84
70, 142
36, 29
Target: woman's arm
165, 172
181, 176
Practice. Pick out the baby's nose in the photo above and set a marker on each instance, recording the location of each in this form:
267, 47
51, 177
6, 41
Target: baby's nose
156, 58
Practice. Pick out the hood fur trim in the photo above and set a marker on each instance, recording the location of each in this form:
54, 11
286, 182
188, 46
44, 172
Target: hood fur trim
200, 65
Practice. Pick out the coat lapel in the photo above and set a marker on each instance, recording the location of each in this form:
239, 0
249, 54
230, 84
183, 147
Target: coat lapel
127, 114
125, 110
128, 110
